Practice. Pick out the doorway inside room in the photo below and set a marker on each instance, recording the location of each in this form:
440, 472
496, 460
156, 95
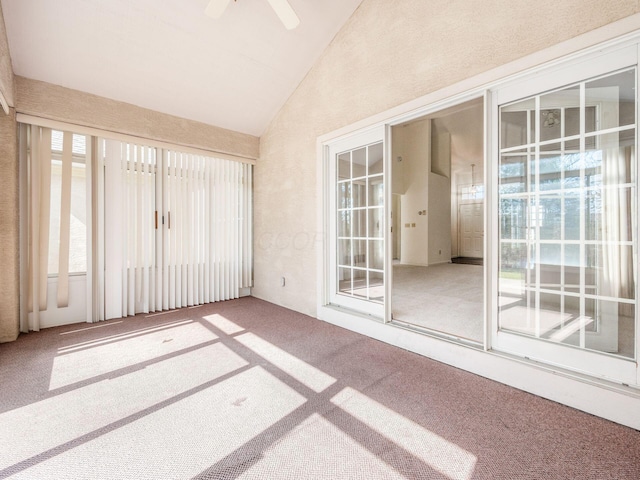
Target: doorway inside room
437, 170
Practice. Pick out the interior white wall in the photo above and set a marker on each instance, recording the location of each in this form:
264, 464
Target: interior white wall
414, 147
439, 215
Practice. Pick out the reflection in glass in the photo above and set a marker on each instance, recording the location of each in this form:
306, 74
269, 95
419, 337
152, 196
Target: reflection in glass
358, 194
376, 223
344, 280
513, 173
359, 163
375, 159
344, 223
344, 195
344, 166
567, 224
359, 226
360, 218
360, 253
360, 288
344, 252
376, 254
614, 96
376, 191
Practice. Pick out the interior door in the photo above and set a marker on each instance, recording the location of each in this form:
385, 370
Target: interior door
471, 230
357, 224
567, 203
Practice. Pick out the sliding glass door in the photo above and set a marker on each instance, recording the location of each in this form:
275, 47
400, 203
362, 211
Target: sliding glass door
567, 217
357, 206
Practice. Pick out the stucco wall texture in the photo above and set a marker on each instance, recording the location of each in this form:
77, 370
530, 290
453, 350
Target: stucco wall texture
387, 54
59, 103
9, 229
9, 216
6, 71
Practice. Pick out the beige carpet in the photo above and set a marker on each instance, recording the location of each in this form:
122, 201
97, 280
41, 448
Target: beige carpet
248, 390
447, 297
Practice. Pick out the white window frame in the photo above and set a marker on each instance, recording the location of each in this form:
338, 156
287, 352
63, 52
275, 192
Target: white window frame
364, 138
611, 400
596, 364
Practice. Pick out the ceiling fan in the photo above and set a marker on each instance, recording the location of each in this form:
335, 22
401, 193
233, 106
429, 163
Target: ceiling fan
283, 9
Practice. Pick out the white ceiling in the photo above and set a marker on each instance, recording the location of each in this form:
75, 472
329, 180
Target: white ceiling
235, 72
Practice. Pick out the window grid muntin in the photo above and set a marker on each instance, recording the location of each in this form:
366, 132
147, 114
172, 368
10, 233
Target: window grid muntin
350, 211
532, 151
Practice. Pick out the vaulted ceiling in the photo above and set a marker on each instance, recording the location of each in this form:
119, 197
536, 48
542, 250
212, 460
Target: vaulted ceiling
235, 72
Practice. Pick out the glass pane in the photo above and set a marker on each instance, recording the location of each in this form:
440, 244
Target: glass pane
77, 220
548, 216
572, 121
513, 219
571, 276
551, 318
344, 166
513, 268
515, 126
360, 253
359, 163
375, 159
513, 173
344, 195
610, 163
344, 280
626, 328
344, 252
359, 225
360, 217
609, 271
613, 98
376, 191
376, 286
359, 193
550, 266
550, 123
572, 265
360, 283
550, 171
344, 223
376, 223
376, 254
553, 111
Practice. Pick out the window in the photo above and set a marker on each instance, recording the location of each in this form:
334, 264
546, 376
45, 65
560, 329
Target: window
567, 220
78, 212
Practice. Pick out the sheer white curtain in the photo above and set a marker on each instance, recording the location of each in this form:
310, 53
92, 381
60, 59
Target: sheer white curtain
618, 225
178, 229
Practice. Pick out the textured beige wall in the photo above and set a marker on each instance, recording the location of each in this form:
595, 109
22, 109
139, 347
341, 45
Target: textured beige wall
388, 53
9, 219
58, 103
6, 71
9, 229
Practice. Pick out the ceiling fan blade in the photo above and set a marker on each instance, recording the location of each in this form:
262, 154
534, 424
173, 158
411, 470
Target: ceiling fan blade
216, 8
286, 14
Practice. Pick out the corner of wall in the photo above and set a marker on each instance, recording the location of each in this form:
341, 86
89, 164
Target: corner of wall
9, 229
7, 80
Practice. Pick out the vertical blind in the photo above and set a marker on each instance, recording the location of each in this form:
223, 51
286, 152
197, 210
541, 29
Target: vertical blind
177, 229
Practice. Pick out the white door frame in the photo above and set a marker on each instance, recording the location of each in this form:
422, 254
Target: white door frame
332, 150
592, 363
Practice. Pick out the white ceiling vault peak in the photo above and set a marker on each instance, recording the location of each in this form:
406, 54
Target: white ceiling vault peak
234, 72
